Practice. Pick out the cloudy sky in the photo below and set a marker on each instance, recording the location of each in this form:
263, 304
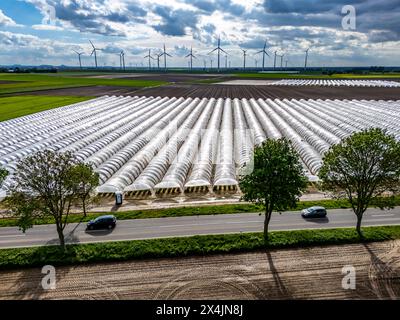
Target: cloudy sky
47, 31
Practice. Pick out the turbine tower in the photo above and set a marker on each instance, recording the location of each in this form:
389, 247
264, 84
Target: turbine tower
165, 54
158, 56
191, 55
264, 52
219, 50
282, 60
275, 59
79, 57
150, 57
305, 62
94, 52
244, 59
122, 60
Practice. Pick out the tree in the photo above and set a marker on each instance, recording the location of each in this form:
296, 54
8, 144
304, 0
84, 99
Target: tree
84, 181
362, 167
48, 184
3, 175
277, 179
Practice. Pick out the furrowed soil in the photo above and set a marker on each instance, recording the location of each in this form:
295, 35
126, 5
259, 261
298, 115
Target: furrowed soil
272, 92
307, 273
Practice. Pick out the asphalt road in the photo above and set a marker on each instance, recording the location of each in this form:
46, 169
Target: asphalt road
11, 237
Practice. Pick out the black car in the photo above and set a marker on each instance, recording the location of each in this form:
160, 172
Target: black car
314, 212
102, 222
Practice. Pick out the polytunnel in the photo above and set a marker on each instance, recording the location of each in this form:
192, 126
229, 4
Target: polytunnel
201, 175
101, 150
174, 179
158, 166
225, 173
131, 169
140, 144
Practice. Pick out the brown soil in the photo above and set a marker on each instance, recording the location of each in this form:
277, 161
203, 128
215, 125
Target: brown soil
264, 92
310, 273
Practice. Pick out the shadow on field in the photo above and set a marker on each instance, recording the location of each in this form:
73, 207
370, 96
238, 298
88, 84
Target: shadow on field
282, 291
30, 284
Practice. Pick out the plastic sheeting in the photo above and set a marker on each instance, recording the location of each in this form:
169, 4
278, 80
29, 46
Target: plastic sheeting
154, 143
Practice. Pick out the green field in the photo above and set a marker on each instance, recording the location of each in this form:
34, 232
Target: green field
318, 76
14, 107
33, 82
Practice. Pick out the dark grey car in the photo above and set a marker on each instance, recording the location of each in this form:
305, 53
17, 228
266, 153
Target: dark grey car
314, 212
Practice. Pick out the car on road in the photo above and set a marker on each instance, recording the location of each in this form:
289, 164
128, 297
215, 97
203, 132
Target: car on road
102, 222
314, 212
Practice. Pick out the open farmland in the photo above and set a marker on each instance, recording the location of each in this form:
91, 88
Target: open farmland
155, 146
304, 273
271, 92
21, 83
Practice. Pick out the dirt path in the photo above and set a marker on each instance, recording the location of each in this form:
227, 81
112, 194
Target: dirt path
313, 273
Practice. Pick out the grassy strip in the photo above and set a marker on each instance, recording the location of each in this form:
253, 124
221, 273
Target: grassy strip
191, 211
14, 107
188, 246
34, 82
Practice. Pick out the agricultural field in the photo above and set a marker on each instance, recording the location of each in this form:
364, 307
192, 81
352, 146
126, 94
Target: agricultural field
298, 273
117, 135
20, 83
18, 106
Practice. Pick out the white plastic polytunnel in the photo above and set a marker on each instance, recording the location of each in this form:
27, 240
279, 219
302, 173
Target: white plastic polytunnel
173, 181
201, 175
158, 166
225, 173
154, 146
337, 83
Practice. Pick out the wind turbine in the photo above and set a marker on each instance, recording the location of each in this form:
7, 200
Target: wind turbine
282, 60
219, 49
165, 54
244, 58
191, 55
211, 60
256, 61
305, 62
264, 52
150, 57
79, 57
275, 59
158, 56
286, 64
94, 52
122, 60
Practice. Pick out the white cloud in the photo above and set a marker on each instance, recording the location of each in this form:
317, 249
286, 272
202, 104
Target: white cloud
6, 21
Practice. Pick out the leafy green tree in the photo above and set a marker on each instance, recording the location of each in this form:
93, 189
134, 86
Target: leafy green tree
277, 179
3, 175
48, 184
84, 182
362, 167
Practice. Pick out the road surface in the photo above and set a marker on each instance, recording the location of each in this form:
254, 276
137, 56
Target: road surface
11, 237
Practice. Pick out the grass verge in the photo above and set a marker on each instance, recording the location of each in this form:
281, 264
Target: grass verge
188, 246
14, 107
192, 211
33, 82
